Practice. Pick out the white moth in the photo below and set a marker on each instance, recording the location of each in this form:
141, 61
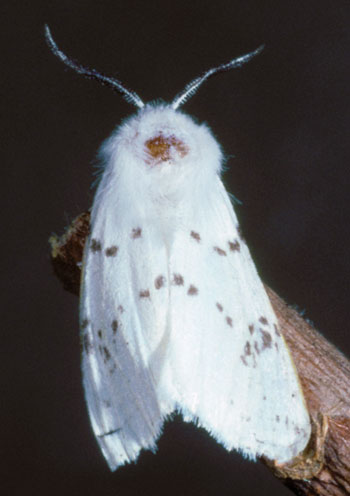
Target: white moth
174, 316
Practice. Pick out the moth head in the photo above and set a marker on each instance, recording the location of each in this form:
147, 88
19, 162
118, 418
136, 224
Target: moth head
161, 138
160, 135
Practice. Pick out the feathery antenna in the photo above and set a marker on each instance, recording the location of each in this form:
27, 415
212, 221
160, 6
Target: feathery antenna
192, 87
130, 96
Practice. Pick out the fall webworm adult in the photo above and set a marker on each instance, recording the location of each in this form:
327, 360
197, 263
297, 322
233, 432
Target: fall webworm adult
173, 313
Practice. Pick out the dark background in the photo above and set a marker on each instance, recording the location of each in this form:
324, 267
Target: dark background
285, 118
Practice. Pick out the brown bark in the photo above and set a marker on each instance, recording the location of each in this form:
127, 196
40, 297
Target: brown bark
324, 467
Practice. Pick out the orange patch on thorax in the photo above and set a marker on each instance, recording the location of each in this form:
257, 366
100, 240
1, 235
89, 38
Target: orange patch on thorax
161, 148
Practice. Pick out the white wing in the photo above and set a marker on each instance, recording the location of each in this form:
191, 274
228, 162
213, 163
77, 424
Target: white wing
181, 320
123, 316
229, 366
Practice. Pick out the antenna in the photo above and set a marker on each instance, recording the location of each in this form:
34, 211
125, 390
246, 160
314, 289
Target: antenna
192, 87
130, 96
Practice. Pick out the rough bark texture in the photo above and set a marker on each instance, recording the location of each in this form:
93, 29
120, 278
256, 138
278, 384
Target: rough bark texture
324, 467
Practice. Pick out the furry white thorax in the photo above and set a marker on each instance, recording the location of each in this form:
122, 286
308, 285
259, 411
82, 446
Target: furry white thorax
130, 172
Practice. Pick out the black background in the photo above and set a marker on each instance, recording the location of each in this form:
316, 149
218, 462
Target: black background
285, 118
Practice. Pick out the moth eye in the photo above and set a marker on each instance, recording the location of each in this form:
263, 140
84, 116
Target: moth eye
161, 148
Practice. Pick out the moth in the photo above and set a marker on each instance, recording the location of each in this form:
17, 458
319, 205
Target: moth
174, 316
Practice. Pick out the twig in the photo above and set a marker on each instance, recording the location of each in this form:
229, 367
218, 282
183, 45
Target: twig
324, 467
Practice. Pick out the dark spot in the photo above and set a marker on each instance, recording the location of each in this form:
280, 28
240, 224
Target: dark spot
234, 245
220, 251
251, 328
277, 332
95, 245
111, 251
256, 347
112, 370
287, 421
106, 353
276, 346
264, 398
244, 360
277, 418
239, 231
107, 404
192, 290
159, 282
260, 442
267, 340
99, 333
84, 324
263, 320
121, 308
178, 280
229, 321
136, 233
248, 419
145, 293
293, 395
195, 236
109, 433
247, 349
219, 307
114, 326
86, 343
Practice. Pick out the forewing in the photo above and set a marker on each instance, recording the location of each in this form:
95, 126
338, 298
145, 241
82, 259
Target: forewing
124, 316
231, 368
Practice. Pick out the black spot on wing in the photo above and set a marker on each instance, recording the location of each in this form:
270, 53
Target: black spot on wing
84, 324
192, 290
196, 236
95, 245
85, 343
234, 245
220, 251
145, 293
229, 321
136, 233
111, 251
219, 307
114, 326
248, 358
106, 353
108, 433
247, 349
242, 357
266, 339
263, 320
178, 280
159, 282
